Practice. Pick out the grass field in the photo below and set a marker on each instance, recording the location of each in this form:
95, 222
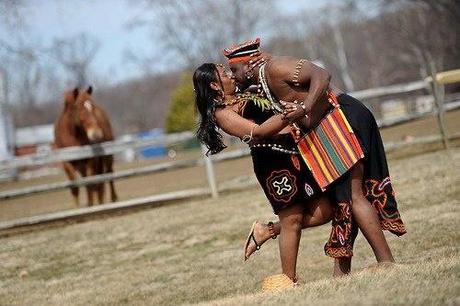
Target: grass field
192, 253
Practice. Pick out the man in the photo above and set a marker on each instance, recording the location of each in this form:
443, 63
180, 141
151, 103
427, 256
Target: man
290, 79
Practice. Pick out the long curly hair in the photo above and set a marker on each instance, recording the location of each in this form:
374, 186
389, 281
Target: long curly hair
205, 99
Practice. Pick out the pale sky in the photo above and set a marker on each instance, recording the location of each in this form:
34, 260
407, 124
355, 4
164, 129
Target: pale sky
106, 20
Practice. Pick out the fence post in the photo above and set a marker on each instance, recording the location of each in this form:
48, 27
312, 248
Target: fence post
438, 94
6, 128
210, 172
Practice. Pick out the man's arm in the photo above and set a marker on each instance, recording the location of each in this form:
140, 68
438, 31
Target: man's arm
306, 75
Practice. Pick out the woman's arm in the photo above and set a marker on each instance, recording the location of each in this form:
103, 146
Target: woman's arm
235, 125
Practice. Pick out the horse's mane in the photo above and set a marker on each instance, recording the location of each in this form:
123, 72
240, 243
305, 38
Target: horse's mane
70, 97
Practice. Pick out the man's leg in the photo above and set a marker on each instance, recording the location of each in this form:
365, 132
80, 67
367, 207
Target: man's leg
342, 266
366, 217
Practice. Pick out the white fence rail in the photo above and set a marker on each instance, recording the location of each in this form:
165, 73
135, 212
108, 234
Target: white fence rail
390, 90
91, 210
105, 148
122, 174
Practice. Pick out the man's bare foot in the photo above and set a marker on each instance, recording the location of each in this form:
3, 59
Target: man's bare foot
342, 266
260, 233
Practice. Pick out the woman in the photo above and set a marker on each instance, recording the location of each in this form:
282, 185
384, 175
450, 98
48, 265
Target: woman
293, 194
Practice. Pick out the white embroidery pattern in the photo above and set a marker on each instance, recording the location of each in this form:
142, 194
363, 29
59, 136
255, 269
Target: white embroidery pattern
282, 185
309, 190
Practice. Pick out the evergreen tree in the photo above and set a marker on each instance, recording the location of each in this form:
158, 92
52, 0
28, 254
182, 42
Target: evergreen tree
182, 115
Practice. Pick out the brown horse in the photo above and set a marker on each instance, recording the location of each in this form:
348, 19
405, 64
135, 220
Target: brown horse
82, 122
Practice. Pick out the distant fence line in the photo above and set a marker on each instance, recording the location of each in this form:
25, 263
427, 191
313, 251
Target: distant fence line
122, 174
81, 152
118, 146
176, 165
390, 90
410, 117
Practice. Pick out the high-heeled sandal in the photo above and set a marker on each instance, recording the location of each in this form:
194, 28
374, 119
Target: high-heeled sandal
251, 237
271, 229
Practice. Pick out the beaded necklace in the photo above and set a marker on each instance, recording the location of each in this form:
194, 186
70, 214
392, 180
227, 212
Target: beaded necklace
238, 99
263, 85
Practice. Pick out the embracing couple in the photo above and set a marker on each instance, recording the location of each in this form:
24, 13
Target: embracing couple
317, 152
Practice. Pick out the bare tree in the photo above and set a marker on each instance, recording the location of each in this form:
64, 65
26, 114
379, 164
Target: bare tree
75, 54
20, 66
11, 21
195, 31
23, 61
322, 36
10, 13
427, 29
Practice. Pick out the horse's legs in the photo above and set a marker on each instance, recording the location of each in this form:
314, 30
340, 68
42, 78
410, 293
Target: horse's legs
100, 193
70, 171
113, 194
100, 187
108, 163
88, 170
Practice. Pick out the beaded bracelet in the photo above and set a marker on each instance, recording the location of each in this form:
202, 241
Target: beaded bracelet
247, 138
302, 105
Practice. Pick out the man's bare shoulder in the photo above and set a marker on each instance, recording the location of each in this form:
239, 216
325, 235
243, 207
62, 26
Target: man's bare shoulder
282, 65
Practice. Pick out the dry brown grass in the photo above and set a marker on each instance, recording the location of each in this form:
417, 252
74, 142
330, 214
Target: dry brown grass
192, 253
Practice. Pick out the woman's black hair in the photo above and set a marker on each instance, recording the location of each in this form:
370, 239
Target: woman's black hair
205, 99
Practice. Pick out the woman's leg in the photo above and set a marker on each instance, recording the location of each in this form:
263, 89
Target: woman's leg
289, 238
319, 211
366, 217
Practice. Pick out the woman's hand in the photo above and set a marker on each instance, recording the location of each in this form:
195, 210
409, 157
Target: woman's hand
293, 111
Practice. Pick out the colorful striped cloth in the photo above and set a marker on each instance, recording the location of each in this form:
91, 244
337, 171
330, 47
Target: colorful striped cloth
332, 148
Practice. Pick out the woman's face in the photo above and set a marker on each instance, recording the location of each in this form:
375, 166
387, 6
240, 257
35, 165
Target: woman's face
228, 81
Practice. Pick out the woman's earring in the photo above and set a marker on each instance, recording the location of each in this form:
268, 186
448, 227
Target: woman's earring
249, 74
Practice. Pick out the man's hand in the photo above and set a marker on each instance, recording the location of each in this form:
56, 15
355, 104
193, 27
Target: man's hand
257, 59
292, 111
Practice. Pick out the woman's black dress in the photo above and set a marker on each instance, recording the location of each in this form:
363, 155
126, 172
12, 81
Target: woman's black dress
285, 178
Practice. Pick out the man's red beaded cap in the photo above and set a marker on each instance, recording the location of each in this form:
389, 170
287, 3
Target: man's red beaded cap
242, 52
